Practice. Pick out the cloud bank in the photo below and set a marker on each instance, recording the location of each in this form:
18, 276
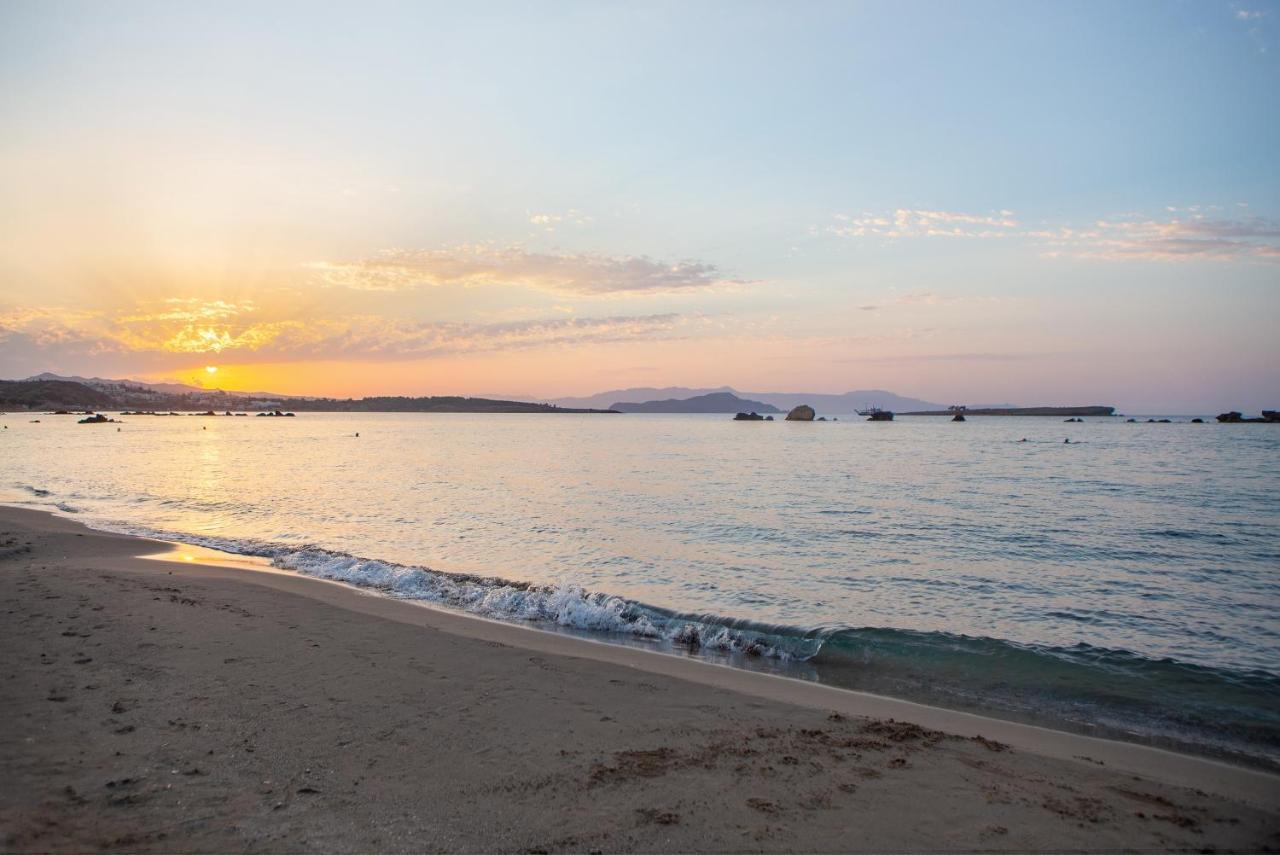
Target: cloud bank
579, 274
1198, 232
1194, 237
162, 334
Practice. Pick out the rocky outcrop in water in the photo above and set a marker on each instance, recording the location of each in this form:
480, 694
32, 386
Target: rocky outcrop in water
1268, 416
1022, 411
748, 417
802, 413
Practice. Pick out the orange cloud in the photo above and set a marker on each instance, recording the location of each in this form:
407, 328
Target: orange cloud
151, 335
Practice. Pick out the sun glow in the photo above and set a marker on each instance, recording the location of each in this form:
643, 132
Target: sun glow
211, 369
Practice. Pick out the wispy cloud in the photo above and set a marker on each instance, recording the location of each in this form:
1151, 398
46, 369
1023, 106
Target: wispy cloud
914, 222
550, 220
190, 310
1198, 236
1181, 233
382, 338
581, 274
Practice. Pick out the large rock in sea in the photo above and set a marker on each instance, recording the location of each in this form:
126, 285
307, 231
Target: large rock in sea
802, 413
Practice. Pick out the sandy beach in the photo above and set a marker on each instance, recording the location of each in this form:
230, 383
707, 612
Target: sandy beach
184, 706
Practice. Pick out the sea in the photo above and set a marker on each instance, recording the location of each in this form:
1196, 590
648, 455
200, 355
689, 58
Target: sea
1124, 584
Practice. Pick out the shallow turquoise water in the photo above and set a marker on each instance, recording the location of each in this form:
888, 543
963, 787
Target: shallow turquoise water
1126, 583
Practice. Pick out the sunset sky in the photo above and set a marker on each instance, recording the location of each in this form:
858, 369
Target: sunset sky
1041, 203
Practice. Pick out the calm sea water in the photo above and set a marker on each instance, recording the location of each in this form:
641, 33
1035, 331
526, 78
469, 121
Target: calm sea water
1125, 584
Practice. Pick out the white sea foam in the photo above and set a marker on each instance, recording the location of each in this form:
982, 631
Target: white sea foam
569, 606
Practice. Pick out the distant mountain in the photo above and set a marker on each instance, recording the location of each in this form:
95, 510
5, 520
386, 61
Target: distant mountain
715, 402
849, 402
637, 395
138, 394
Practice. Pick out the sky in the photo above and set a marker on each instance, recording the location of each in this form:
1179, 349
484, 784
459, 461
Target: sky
1041, 203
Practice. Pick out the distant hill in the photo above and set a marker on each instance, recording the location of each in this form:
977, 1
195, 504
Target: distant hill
715, 402
635, 395
50, 395
105, 384
823, 402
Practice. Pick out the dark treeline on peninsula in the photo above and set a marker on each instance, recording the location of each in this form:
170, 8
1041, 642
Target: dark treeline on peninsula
70, 395
432, 404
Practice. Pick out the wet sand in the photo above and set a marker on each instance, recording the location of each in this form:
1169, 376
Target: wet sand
182, 706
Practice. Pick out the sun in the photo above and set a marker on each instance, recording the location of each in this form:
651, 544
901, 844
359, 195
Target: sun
211, 369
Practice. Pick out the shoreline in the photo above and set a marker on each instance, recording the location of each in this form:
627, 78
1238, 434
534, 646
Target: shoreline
1187, 768
824, 669
1051, 742
506, 725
